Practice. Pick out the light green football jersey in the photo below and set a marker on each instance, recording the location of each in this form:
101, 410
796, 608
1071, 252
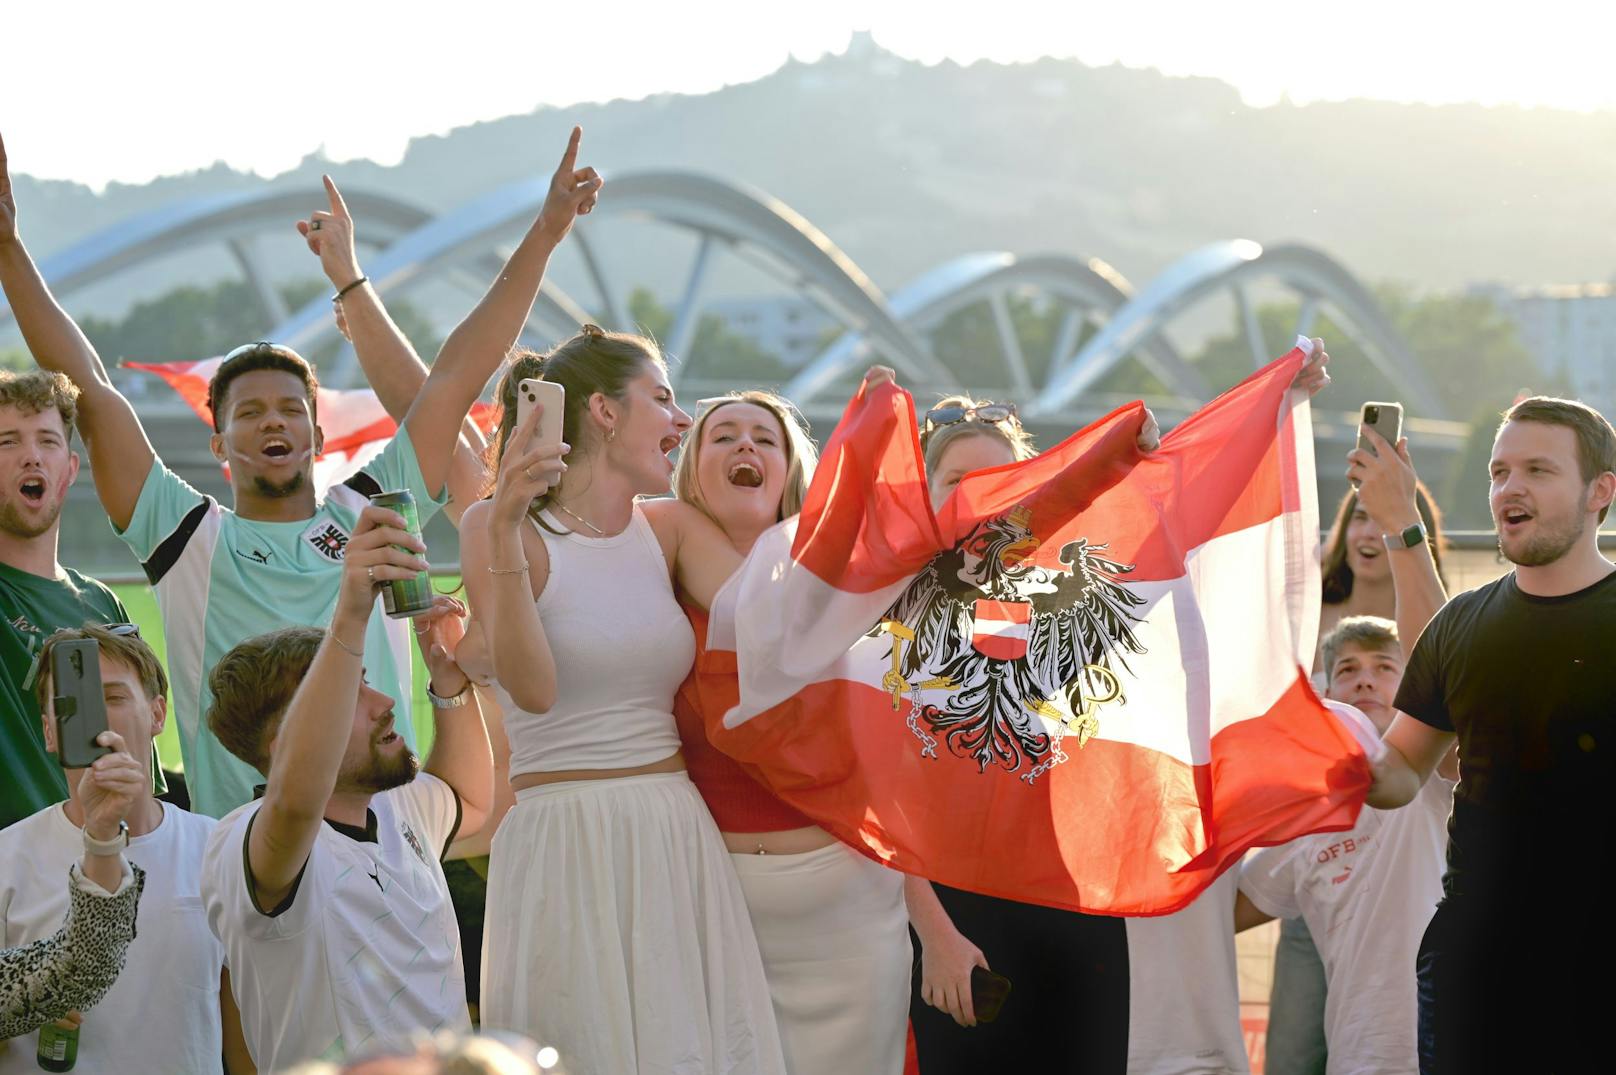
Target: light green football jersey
221, 579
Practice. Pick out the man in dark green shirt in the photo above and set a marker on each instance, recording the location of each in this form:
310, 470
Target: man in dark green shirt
37, 594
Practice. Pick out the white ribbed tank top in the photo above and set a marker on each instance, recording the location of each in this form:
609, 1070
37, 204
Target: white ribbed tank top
622, 647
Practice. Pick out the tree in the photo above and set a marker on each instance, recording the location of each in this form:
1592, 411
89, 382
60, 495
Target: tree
190, 323
716, 352
1468, 349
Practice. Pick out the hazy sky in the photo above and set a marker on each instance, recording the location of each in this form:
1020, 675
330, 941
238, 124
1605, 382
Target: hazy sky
98, 91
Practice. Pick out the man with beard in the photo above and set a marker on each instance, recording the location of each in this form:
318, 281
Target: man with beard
37, 594
328, 892
223, 574
1523, 671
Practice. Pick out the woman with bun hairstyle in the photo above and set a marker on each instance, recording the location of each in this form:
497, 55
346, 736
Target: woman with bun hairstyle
615, 929
831, 924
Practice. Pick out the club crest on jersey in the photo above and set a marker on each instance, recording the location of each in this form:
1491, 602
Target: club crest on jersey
1002, 657
327, 538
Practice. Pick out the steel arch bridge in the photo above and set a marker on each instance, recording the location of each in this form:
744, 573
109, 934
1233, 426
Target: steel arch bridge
1104, 321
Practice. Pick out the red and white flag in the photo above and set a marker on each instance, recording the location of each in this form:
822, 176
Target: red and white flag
1079, 684
356, 425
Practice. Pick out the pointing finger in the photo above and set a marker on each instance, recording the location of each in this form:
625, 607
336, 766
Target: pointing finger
569, 159
339, 207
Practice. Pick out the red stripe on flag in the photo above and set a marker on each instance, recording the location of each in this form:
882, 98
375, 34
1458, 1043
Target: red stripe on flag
1167, 829
1004, 611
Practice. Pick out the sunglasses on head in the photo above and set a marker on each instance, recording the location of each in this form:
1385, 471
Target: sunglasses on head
121, 630
982, 412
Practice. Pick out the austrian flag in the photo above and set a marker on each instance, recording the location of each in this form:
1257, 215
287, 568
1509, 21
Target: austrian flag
1079, 683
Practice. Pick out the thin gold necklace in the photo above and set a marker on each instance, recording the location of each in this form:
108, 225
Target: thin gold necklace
598, 531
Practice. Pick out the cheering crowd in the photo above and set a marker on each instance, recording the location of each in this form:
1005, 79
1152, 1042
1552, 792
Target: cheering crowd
650, 906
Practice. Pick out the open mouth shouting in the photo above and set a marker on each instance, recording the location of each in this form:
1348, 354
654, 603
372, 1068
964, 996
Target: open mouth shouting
745, 475
32, 490
388, 737
1513, 519
277, 449
668, 444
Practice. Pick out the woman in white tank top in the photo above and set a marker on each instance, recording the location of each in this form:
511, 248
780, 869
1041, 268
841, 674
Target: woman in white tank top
615, 927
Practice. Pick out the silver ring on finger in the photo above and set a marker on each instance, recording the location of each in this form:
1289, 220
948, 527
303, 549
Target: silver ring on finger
527, 472
314, 225
370, 573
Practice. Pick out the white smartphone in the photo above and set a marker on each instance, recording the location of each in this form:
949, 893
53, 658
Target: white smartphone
552, 398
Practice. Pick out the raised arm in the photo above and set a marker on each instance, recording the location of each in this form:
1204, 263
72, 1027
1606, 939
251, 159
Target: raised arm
394, 370
461, 756
1387, 489
315, 729
506, 566
703, 558
480, 343
120, 455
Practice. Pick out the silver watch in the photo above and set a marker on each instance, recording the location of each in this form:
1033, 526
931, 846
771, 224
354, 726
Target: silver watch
113, 846
454, 701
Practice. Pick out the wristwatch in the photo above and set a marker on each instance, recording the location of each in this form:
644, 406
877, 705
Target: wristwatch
107, 847
1406, 538
454, 701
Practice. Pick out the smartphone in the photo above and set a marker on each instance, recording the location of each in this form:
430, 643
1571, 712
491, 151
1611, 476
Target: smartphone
988, 993
1385, 419
81, 710
549, 395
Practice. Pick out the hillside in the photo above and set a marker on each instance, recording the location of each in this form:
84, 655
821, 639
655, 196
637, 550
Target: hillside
904, 164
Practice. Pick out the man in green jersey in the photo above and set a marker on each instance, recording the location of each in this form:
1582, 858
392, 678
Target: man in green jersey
37, 594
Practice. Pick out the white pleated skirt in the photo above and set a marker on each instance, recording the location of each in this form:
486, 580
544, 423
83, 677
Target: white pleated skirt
616, 932
834, 933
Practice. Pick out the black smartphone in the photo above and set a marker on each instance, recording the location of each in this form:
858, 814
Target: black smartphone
988, 992
81, 710
1385, 419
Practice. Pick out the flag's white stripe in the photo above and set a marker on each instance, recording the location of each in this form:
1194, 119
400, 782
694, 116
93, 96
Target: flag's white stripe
1000, 628
1219, 647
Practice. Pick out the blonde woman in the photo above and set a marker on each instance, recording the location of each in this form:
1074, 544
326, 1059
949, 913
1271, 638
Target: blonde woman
831, 924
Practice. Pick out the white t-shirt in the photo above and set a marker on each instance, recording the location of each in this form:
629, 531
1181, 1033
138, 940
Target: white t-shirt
1367, 896
365, 951
1184, 989
163, 1012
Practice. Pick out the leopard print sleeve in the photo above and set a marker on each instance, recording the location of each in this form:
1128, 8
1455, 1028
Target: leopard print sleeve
74, 968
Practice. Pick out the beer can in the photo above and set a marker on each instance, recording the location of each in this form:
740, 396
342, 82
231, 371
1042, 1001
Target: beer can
405, 597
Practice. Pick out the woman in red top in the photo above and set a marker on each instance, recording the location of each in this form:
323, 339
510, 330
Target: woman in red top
831, 924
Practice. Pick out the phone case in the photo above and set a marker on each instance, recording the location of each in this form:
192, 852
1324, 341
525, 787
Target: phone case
81, 710
1388, 423
988, 993
533, 391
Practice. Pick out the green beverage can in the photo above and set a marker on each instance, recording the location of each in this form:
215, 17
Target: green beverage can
405, 597
58, 1047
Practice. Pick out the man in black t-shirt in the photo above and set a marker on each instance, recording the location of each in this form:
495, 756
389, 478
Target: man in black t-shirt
1523, 671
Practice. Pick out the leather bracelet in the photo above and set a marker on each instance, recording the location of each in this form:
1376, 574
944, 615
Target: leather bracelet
338, 296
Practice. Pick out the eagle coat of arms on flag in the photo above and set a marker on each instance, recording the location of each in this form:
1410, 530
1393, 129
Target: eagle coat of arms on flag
1016, 654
